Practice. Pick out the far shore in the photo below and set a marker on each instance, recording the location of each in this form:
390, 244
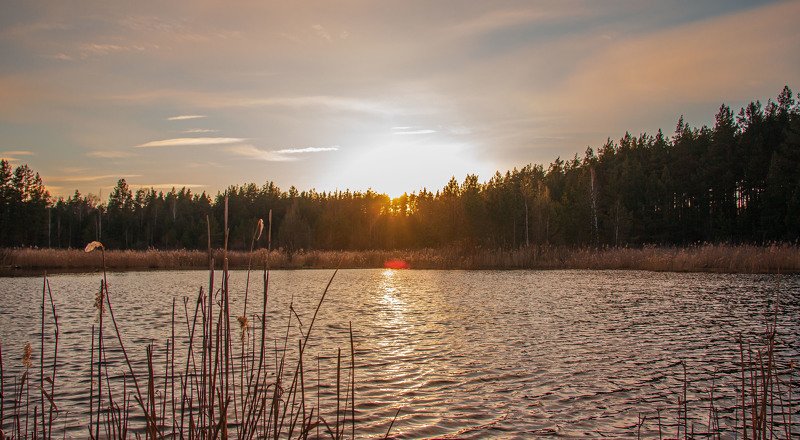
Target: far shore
778, 258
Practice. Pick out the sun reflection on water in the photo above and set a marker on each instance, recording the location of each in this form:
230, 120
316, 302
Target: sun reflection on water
394, 306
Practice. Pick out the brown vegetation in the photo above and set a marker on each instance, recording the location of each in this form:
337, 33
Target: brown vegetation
778, 258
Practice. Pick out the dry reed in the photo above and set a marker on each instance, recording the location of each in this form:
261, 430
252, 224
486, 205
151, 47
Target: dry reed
774, 258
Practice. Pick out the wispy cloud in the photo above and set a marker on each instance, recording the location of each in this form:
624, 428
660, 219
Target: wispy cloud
508, 18
411, 130
255, 153
180, 30
282, 155
94, 50
16, 153
100, 49
187, 142
28, 30
91, 178
332, 102
110, 154
211, 100
61, 56
307, 150
166, 185
13, 155
199, 131
321, 32
185, 117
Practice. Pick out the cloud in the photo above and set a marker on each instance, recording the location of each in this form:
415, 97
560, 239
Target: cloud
186, 142
28, 30
308, 150
109, 154
93, 50
707, 61
507, 18
212, 100
282, 155
84, 178
99, 49
165, 185
13, 155
416, 132
61, 56
16, 153
411, 130
321, 32
151, 24
332, 102
200, 130
255, 153
185, 117
181, 30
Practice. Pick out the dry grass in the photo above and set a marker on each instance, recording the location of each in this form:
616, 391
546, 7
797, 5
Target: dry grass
777, 258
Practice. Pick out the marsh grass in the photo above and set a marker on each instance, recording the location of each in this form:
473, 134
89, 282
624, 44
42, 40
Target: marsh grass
775, 258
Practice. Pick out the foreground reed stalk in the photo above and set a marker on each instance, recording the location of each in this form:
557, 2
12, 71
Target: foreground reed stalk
214, 393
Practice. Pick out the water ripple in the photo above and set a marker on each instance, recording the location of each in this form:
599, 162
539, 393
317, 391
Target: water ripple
462, 354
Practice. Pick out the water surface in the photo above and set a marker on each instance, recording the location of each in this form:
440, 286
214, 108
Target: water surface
473, 354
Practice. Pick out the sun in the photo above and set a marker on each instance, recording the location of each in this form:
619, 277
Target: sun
398, 168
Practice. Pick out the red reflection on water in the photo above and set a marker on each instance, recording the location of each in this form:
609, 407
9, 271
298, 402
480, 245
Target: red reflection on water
395, 264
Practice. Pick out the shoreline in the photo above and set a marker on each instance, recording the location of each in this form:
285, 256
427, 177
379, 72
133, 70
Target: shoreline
777, 258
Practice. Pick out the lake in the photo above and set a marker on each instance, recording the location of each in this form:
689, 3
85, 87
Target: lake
472, 354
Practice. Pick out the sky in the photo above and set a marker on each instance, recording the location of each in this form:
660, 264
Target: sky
389, 95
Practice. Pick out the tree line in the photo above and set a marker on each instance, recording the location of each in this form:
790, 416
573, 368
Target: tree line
735, 182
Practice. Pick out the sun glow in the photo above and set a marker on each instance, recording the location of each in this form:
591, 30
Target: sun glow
404, 167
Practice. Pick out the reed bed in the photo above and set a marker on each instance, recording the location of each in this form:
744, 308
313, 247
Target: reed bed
219, 380
774, 258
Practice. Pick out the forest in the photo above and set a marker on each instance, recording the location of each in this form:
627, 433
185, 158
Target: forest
736, 182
